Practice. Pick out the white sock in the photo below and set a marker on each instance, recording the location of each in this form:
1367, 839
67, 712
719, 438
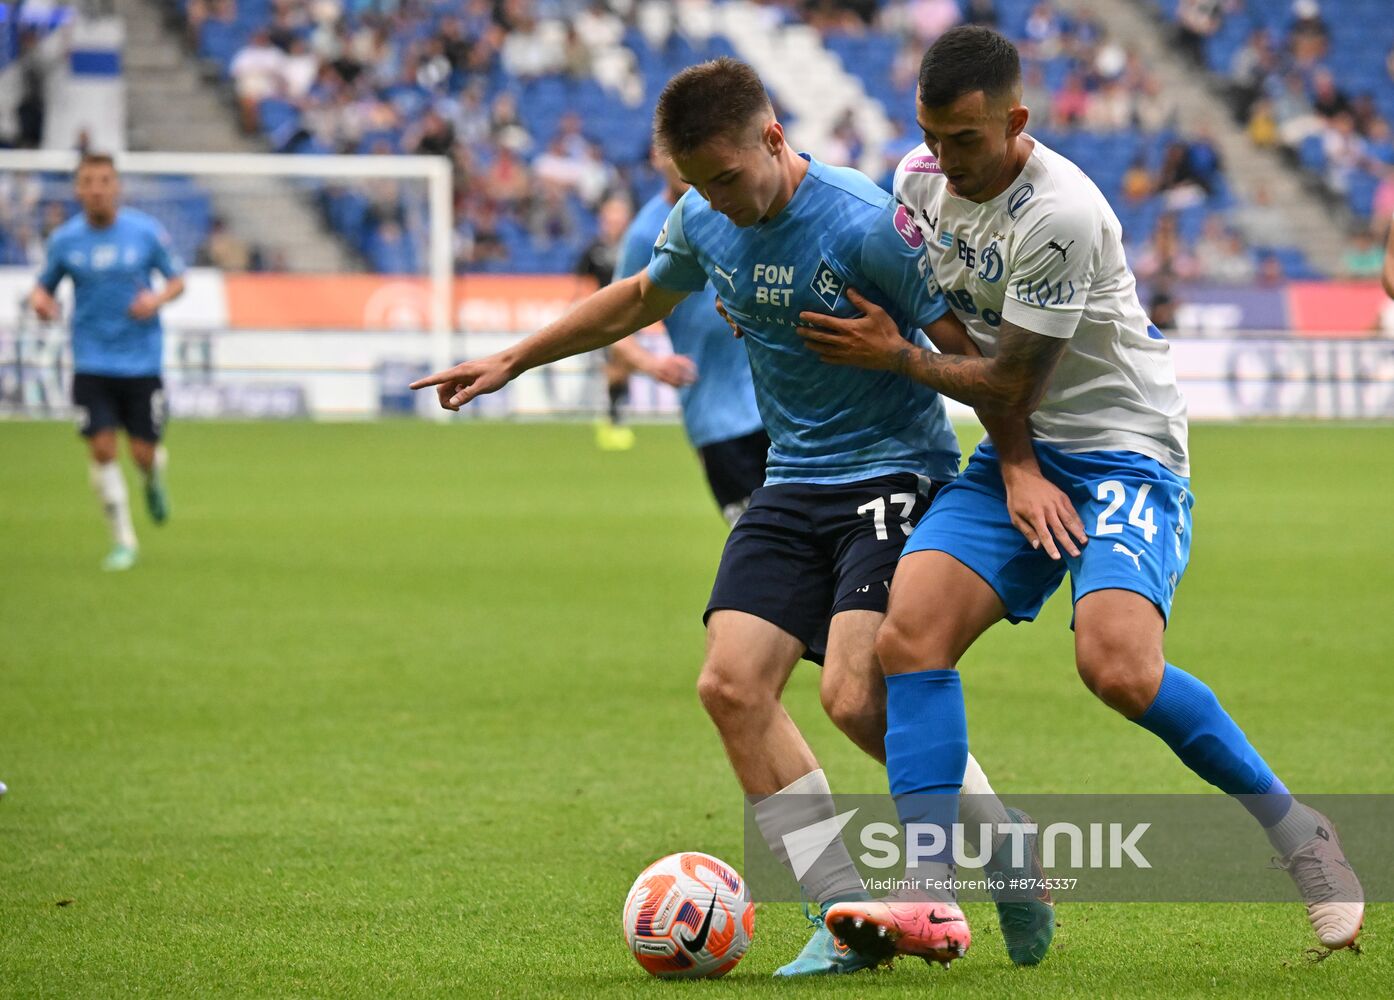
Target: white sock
157, 468
110, 487
1298, 825
827, 876
979, 806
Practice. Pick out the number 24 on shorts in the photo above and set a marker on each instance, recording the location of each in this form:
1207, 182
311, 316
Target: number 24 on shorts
1139, 515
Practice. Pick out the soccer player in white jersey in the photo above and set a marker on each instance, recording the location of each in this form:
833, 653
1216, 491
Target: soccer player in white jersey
1030, 257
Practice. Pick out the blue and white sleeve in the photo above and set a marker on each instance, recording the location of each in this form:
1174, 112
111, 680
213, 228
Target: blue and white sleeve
674, 265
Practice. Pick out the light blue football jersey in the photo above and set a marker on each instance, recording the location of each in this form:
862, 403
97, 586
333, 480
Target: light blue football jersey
720, 405
109, 268
827, 423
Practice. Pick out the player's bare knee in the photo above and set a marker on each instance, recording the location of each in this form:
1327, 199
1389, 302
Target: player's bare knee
1115, 670
901, 649
729, 694
103, 450
856, 708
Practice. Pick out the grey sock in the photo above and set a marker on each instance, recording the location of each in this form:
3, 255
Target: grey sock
825, 874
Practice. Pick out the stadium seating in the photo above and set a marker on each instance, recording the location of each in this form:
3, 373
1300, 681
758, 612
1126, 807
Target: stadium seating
1361, 38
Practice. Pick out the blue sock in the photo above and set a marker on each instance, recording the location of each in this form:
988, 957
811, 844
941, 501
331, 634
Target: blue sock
926, 750
1190, 720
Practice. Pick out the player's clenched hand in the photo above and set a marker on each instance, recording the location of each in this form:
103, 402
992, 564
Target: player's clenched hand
871, 340
676, 370
45, 305
144, 305
457, 386
721, 308
1044, 514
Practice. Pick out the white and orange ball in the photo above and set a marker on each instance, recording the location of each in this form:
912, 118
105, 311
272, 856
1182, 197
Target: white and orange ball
689, 916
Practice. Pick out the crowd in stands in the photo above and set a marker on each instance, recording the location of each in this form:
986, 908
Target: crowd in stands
543, 108
1315, 79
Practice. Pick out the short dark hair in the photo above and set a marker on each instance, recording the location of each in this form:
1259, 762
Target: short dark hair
95, 160
703, 102
965, 59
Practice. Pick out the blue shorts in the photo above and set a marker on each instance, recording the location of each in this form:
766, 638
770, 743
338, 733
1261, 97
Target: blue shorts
803, 552
1136, 511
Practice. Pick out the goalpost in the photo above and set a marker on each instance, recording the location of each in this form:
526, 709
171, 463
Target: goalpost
189, 191
355, 293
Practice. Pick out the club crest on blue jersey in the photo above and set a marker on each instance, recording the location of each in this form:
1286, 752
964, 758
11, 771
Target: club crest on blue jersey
1018, 198
662, 237
827, 285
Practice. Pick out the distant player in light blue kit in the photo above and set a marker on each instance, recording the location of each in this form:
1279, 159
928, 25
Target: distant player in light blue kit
109, 252
854, 459
708, 366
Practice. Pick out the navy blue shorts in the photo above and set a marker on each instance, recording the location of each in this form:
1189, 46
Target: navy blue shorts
735, 469
106, 402
804, 552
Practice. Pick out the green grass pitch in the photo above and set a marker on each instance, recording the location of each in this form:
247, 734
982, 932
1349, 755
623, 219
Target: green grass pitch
402, 709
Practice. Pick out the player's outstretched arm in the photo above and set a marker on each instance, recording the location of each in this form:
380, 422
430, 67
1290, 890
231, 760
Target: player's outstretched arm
1039, 509
599, 319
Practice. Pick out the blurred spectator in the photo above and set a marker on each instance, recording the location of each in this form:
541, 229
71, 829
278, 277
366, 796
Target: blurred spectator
551, 218
1164, 257
1221, 256
598, 261
1364, 256
1162, 309
844, 146
434, 136
506, 182
257, 71
223, 249
31, 110
1251, 66
982, 12
1197, 21
1180, 180
1137, 181
1270, 270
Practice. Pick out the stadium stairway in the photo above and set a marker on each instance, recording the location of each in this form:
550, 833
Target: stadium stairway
802, 74
170, 107
1307, 213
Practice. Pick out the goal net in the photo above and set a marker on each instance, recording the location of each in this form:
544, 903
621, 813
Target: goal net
318, 286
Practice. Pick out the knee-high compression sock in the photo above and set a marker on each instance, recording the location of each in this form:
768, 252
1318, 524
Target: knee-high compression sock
110, 486
1188, 717
926, 753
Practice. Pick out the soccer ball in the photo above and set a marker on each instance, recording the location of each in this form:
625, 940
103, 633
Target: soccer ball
688, 916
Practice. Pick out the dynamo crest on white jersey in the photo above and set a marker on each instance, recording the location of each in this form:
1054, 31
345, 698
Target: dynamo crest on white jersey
1047, 255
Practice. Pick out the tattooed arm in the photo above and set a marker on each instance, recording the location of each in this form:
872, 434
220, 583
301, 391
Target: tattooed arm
1013, 382
1038, 508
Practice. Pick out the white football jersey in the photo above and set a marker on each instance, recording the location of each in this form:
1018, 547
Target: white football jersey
1047, 255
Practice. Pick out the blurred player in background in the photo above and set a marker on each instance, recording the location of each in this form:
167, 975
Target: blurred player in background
598, 263
708, 366
1030, 255
110, 252
854, 460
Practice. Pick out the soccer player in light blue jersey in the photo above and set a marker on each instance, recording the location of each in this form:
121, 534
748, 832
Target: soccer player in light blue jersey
110, 252
1031, 257
855, 455
708, 366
